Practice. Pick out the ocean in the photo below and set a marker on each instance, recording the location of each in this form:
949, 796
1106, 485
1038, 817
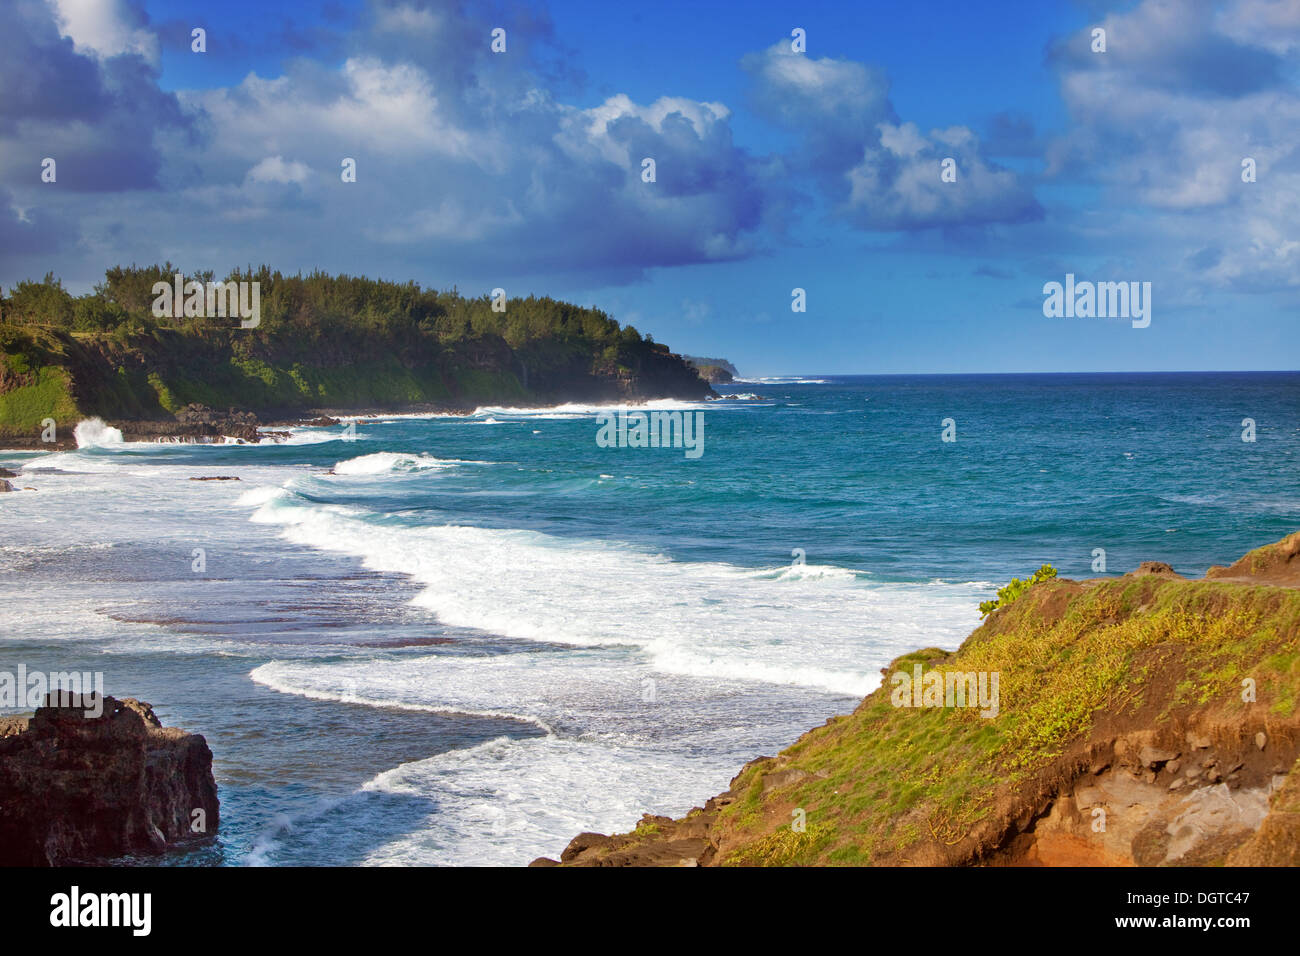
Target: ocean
465, 639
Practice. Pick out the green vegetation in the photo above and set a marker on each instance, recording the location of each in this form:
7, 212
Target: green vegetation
323, 342
893, 784
1014, 588
784, 847
715, 371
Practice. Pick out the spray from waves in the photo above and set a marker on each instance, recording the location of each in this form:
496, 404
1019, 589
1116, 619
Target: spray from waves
808, 572
94, 433
298, 435
828, 632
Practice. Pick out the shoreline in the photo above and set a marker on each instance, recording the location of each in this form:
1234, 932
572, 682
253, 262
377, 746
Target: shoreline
241, 427
1174, 780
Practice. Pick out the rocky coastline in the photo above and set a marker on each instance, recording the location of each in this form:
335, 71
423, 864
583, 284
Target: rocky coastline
88, 779
1178, 744
200, 425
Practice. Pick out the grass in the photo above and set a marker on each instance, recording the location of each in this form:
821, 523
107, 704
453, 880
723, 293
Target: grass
48, 397
785, 847
153, 378
885, 779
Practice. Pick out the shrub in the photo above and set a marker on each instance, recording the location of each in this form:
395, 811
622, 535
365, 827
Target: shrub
1014, 588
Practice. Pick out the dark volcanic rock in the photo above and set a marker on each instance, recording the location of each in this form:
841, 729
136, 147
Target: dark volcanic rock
78, 788
196, 414
230, 423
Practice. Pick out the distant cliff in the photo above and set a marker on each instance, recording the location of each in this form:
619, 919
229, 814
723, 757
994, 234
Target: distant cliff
1142, 720
76, 788
715, 371
321, 342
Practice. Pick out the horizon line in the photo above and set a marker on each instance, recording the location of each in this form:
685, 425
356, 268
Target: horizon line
1223, 371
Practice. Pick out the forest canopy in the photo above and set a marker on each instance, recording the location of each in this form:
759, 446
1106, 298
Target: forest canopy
322, 341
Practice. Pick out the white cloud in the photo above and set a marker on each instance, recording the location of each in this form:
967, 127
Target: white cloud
106, 27
882, 173
1166, 116
274, 169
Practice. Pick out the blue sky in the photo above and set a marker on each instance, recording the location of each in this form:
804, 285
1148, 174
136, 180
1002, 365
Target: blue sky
775, 168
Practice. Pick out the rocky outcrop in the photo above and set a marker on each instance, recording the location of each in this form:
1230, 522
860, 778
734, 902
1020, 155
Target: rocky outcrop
715, 375
230, 423
1157, 569
81, 782
712, 370
1277, 564
1277, 842
1190, 802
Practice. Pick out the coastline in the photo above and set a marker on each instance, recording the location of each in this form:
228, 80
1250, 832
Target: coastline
475, 443
247, 427
1172, 779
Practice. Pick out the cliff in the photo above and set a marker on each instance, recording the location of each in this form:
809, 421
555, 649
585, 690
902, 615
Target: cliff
1145, 720
712, 370
76, 788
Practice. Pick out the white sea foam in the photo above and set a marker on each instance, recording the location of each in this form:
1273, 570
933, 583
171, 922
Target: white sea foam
303, 435
572, 410
387, 462
95, 462
500, 803
254, 497
508, 801
375, 683
781, 380
821, 629
614, 750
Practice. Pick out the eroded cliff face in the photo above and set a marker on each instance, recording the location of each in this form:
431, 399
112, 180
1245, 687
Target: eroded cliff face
78, 788
1148, 720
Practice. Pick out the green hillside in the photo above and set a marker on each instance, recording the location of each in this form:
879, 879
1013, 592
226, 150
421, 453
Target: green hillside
323, 342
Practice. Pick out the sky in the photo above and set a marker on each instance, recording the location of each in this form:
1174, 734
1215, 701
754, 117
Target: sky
795, 146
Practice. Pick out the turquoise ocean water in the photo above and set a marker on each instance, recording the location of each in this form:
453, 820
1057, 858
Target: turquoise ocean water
464, 639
